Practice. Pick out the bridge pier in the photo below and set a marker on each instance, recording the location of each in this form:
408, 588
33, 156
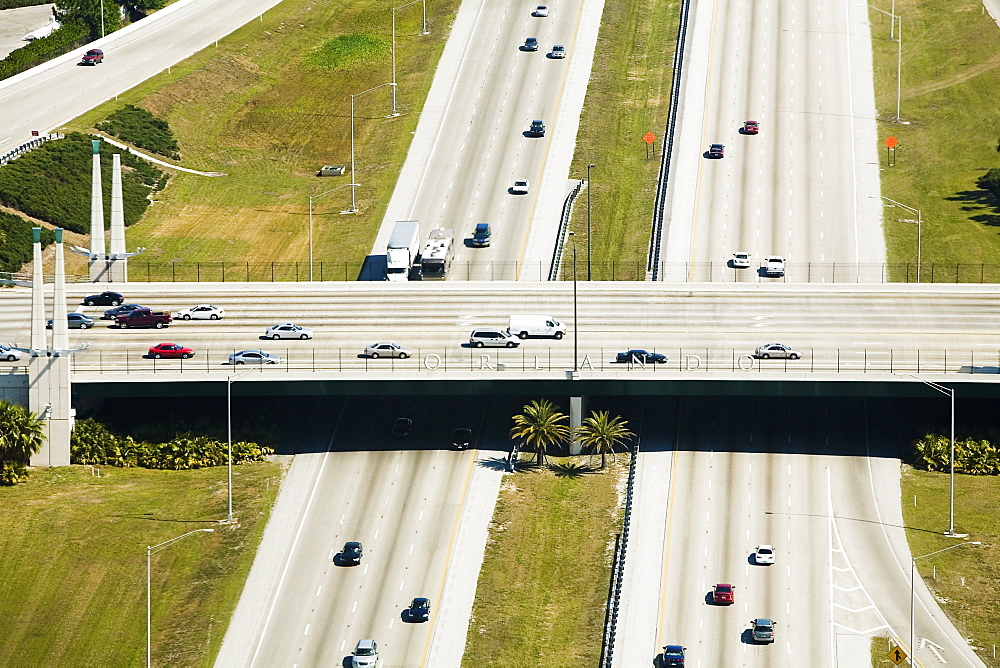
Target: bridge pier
577, 406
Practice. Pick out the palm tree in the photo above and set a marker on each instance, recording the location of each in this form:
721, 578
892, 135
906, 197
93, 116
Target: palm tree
603, 434
22, 433
540, 427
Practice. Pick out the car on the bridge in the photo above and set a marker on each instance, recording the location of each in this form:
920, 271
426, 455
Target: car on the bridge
640, 356
723, 594
776, 351
143, 317
461, 438
171, 351
541, 11
287, 330
92, 57
351, 554
365, 654
716, 151
537, 129
673, 656
401, 427
76, 321
387, 349
253, 357
763, 555
774, 265
558, 51
520, 187
762, 630
495, 337
9, 354
104, 299
530, 44
741, 260
201, 312
419, 610
122, 309
750, 127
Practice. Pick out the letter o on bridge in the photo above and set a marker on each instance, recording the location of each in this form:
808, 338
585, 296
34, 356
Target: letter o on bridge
748, 358
434, 359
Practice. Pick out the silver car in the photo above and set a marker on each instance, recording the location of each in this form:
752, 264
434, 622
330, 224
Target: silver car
9, 354
777, 351
253, 357
201, 312
558, 51
741, 260
387, 349
287, 330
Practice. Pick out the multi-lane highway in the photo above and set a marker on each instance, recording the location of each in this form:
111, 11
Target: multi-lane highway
807, 186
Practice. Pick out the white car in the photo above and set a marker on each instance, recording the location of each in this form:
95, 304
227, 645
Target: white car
763, 554
541, 11
287, 330
741, 260
777, 351
520, 187
201, 312
387, 349
253, 357
558, 51
774, 265
365, 654
8, 354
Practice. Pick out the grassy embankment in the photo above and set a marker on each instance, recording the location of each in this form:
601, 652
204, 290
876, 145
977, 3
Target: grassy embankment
958, 577
543, 586
268, 106
951, 71
73, 555
628, 96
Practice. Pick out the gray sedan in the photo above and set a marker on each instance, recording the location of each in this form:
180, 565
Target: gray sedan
287, 330
777, 351
253, 357
387, 349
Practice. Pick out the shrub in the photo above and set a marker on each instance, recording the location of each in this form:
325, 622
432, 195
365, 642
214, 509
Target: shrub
62, 40
15, 241
12, 473
990, 181
932, 452
140, 128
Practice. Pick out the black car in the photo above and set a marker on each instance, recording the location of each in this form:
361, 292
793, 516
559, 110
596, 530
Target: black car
461, 438
673, 655
419, 610
641, 356
351, 554
716, 151
401, 427
537, 129
104, 299
481, 236
76, 321
530, 44
112, 313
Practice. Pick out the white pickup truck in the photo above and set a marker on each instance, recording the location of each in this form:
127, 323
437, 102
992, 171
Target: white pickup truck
774, 265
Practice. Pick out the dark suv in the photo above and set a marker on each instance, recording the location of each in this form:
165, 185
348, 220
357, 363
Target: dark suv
481, 236
673, 655
93, 57
461, 438
537, 129
530, 44
351, 554
716, 151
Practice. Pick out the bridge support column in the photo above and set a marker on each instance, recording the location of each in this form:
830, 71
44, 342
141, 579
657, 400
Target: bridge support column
577, 406
97, 260
118, 263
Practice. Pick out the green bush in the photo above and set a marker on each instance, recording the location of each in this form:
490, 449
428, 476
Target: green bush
15, 241
140, 128
990, 181
12, 473
932, 452
62, 40
14, 4
52, 183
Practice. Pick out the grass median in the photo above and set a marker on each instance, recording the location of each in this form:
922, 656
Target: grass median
542, 589
962, 579
268, 106
73, 555
948, 137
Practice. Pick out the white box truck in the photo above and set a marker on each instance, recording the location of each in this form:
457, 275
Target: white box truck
523, 326
402, 251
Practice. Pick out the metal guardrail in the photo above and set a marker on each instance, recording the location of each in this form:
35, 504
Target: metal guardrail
660, 202
18, 151
618, 567
567, 211
680, 272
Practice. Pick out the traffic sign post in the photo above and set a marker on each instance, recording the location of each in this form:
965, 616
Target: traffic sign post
897, 655
890, 150
649, 138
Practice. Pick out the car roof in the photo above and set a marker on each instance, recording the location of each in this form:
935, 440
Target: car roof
366, 643
763, 621
674, 648
766, 547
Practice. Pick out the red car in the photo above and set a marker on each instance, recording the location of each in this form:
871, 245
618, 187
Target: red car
171, 350
93, 57
750, 127
723, 594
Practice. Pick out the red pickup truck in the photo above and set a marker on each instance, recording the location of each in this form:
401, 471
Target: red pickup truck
144, 317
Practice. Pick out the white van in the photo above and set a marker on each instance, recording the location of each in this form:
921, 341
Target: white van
524, 326
492, 336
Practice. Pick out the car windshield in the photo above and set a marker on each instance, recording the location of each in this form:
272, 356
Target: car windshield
764, 550
764, 627
724, 589
364, 651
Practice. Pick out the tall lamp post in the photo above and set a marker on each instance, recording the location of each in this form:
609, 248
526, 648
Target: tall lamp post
393, 46
150, 550
576, 327
354, 208
913, 569
589, 167
919, 221
950, 392
311, 198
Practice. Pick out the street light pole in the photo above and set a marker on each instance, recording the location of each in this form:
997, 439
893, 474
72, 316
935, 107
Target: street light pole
576, 326
311, 198
589, 167
354, 208
149, 599
919, 223
913, 568
950, 392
